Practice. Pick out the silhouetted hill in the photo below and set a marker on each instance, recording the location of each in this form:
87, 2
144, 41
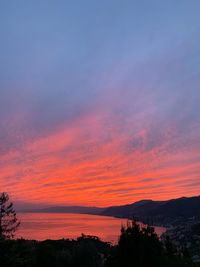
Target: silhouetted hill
135, 209
68, 209
158, 211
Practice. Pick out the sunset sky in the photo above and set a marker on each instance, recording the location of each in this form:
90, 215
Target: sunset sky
99, 101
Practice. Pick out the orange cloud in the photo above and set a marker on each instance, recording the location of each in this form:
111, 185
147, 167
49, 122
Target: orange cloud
99, 160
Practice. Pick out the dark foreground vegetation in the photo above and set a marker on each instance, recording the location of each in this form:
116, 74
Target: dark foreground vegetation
136, 248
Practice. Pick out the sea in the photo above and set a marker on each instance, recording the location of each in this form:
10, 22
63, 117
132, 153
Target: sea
42, 226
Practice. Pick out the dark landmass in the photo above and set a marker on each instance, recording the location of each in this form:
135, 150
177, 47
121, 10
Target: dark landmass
186, 237
138, 247
163, 213
158, 212
68, 209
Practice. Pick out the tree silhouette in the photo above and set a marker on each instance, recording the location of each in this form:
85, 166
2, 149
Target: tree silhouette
138, 246
8, 220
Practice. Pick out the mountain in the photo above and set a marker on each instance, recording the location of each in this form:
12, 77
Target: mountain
148, 211
131, 210
68, 209
158, 212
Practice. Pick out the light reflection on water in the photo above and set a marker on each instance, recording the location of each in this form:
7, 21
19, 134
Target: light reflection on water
41, 226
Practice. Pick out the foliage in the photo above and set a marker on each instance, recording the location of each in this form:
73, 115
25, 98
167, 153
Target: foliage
86, 251
140, 247
8, 220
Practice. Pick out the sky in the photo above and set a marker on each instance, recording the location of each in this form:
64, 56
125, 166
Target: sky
99, 101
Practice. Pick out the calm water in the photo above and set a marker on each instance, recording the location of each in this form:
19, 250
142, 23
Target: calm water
41, 226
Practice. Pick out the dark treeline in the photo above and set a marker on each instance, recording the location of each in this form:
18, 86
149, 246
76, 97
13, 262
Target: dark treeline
137, 247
